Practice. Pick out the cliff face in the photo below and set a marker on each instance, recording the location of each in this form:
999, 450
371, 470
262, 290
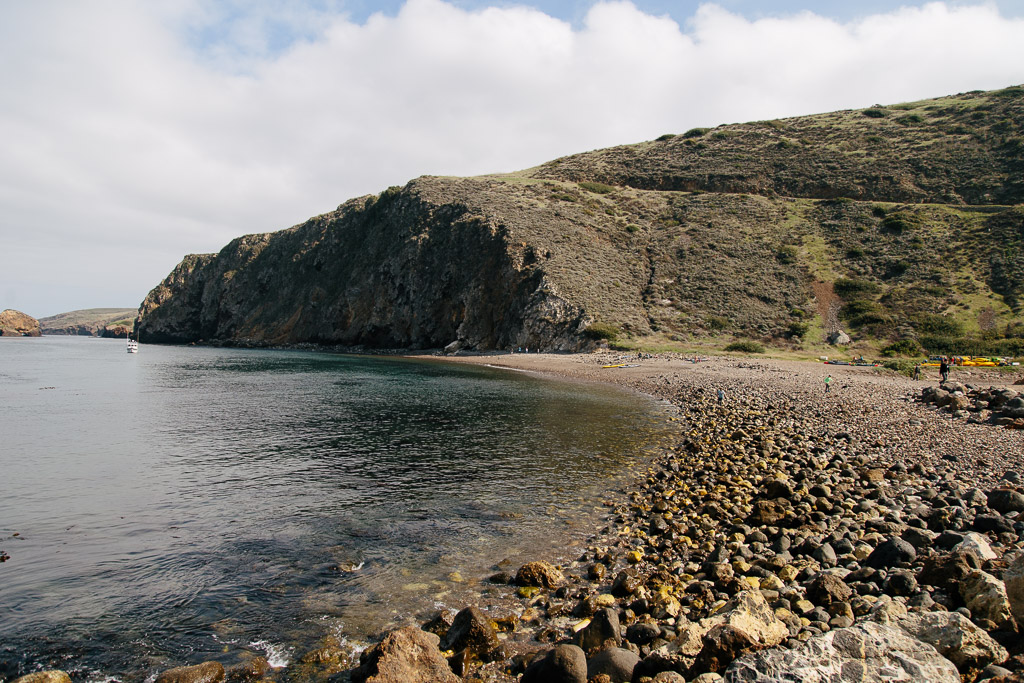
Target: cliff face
17, 324
886, 222
414, 268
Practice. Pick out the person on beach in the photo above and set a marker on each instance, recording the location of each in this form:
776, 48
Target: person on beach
828, 383
944, 370
917, 372
721, 396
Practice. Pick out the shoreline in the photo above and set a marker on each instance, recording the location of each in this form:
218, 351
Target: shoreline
868, 442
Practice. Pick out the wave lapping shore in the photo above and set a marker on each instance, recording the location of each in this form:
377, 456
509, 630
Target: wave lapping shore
792, 533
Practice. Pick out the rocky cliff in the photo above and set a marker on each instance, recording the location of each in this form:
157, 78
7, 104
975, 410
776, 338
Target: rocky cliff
892, 222
17, 324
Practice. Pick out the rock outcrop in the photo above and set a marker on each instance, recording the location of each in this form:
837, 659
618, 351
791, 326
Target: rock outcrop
17, 324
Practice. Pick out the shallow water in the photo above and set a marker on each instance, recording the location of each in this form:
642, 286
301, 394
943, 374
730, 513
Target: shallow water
184, 504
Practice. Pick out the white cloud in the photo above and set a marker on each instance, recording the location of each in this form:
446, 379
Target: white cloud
130, 131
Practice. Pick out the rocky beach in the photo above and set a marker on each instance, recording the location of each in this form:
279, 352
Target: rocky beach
870, 532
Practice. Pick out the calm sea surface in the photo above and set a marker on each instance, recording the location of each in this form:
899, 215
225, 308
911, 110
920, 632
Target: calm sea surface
185, 504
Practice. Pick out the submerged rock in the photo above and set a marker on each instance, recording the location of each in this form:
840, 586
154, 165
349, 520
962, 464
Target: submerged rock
54, 676
207, 672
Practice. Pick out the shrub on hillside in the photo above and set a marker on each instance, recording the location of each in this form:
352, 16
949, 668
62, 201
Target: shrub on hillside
717, 323
903, 347
599, 331
858, 307
938, 325
787, 253
898, 223
848, 288
875, 113
695, 132
596, 188
747, 346
797, 330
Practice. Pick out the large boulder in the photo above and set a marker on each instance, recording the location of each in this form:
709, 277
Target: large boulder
838, 338
866, 653
16, 324
956, 638
563, 664
471, 630
748, 612
986, 597
405, 655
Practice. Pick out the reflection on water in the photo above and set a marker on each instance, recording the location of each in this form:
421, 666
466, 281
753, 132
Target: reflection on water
189, 503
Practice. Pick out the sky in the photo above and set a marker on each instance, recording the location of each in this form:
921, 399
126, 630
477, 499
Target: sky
135, 132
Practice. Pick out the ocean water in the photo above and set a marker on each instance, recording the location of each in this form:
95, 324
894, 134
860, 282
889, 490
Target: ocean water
186, 504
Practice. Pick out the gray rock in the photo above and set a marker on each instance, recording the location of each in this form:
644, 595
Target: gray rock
866, 653
563, 664
976, 543
615, 662
956, 638
838, 338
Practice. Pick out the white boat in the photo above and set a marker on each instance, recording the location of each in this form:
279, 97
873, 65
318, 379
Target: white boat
133, 345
